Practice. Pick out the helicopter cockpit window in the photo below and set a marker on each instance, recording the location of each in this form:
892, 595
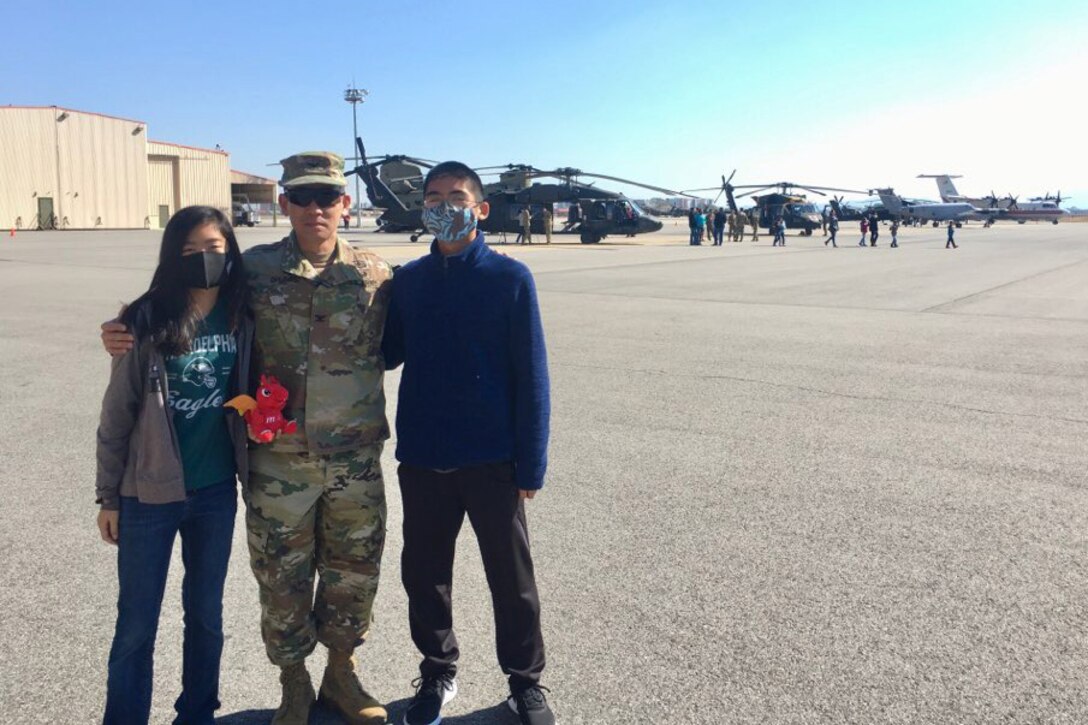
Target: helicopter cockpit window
806, 208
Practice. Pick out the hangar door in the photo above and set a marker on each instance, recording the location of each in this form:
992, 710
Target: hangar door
162, 193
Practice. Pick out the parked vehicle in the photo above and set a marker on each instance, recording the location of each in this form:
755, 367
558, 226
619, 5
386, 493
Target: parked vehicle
244, 213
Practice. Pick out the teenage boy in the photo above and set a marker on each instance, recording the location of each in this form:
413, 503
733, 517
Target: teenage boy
472, 437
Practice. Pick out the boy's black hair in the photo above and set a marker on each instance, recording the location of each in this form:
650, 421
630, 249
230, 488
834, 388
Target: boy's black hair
455, 170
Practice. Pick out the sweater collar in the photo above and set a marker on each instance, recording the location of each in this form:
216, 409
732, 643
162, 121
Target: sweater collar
470, 255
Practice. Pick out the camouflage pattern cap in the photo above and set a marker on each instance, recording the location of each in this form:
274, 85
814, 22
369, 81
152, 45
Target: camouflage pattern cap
313, 167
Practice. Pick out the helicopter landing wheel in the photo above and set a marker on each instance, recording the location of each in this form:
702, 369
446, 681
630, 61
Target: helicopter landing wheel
808, 233
414, 238
589, 238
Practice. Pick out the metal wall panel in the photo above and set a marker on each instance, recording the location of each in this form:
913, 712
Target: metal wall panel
103, 172
93, 167
28, 168
97, 170
162, 173
203, 175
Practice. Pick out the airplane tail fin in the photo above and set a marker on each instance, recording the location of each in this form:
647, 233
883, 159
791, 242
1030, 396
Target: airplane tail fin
891, 202
946, 188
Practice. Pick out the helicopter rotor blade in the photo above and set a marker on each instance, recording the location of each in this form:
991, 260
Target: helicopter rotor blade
506, 167
573, 173
832, 188
380, 159
416, 177
750, 193
755, 189
420, 162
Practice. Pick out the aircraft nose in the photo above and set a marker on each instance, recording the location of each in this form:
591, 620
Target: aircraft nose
650, 225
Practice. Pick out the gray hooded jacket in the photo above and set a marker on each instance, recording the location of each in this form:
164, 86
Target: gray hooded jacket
138, 453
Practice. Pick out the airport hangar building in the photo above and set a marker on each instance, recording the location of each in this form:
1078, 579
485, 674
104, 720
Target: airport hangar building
67, 169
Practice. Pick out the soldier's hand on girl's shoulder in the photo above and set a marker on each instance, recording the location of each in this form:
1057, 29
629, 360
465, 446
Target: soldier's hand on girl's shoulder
116, 338
524, 493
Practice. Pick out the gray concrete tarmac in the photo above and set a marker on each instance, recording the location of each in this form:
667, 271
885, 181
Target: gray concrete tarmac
798, 485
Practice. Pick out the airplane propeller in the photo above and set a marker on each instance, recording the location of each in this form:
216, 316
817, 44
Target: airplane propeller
1056, 199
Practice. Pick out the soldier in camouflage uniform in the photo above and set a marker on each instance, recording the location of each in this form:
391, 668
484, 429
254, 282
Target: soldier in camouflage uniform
753, 219
316, 498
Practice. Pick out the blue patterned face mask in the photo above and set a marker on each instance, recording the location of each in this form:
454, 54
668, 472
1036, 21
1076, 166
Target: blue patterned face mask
449, 222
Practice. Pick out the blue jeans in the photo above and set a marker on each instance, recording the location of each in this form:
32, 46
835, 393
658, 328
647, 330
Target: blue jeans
205, 521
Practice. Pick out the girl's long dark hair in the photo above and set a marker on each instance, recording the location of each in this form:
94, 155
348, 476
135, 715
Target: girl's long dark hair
164, 312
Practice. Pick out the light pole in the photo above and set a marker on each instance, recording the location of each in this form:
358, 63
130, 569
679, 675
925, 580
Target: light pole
355, 96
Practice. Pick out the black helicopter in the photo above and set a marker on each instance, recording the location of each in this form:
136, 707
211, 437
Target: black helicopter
795, 209
395, 185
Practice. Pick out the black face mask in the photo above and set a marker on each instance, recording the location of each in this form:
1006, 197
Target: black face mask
203, 269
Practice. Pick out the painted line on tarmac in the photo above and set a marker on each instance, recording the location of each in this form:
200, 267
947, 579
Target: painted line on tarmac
937, 308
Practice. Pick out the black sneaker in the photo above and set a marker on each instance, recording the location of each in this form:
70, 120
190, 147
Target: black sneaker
531, 706
431, 694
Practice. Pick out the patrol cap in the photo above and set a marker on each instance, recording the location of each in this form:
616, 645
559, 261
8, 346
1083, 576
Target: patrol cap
313, 167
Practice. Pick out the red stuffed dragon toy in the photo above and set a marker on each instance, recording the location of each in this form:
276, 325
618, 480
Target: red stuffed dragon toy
264, 416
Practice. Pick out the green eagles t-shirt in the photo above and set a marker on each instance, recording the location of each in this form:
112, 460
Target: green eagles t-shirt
198, 385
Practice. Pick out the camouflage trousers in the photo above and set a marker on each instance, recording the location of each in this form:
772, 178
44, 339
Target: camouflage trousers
306, 514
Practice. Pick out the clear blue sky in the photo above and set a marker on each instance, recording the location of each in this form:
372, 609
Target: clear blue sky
856, 94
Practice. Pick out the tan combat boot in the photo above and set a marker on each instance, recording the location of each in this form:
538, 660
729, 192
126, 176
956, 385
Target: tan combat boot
298, 696
341, 691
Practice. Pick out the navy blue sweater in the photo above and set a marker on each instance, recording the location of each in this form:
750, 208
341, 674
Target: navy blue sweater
475, 384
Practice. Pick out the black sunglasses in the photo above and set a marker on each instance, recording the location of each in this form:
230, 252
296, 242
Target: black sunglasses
324, 196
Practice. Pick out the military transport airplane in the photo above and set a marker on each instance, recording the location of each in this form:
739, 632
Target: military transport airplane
959, 211
1045, 208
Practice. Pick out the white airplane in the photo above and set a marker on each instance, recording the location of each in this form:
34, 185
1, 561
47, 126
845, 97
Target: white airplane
1045, 208
957, 211
950, 195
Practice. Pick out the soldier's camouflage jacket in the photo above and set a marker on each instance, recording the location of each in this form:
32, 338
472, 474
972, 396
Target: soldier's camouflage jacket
320, 335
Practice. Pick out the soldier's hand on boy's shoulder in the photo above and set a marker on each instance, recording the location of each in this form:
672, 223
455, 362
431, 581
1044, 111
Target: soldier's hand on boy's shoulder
116, 338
